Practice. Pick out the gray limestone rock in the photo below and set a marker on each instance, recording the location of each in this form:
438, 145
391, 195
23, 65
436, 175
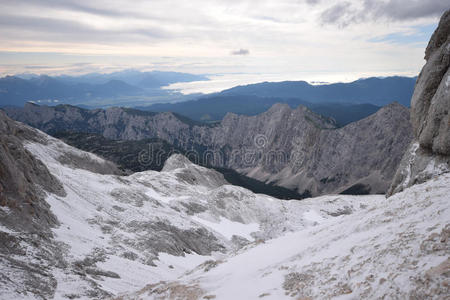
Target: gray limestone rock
24, 180
429, 154
430, 103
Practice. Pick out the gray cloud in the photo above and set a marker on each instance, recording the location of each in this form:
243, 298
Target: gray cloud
240, 52
345, 13
39, 67
50, 29
403, 10
122, 9
337, 13
312, 2
72, 6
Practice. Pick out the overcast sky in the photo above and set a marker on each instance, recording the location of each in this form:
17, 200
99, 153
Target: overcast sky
248, 40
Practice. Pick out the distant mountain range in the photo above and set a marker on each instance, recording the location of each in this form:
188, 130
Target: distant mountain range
214, 108
345, 102
374, 90
144, 80
119, 88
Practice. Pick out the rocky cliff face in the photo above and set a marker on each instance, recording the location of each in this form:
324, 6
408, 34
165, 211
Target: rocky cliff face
360, 157
429, 154
28, 251
299, 150
24, 183
293, 148
24, 180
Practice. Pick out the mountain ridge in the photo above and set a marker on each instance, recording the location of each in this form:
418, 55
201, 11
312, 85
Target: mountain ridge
374, 90
282, 146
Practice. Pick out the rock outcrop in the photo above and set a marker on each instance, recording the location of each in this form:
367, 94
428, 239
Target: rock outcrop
24, 180
192, 174
24, 183
429, 154
292, 148
28, 251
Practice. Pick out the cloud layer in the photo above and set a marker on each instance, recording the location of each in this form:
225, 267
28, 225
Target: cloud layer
285, 36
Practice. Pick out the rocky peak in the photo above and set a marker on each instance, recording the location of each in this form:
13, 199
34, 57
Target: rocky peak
430, 103
190, 173
391, 109
176, 161
429, 153
279, 108
440, 36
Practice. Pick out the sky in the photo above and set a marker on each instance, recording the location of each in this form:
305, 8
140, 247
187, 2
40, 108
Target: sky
232, 41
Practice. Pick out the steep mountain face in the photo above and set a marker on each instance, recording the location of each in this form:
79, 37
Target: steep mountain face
429, 154
19, 171
28, 251
289, 148
356, 159
293, 148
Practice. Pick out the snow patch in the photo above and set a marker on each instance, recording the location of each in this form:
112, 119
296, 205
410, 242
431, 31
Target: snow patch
312, 216
413, 150
188, 262
229, 228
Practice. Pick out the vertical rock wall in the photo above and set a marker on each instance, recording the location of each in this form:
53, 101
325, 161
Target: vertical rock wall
429, 153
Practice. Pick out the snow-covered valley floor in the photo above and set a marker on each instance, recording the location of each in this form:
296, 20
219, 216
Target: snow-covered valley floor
184, 233
393, 248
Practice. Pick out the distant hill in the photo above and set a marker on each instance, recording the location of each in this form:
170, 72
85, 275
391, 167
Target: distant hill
214, 108
374, 90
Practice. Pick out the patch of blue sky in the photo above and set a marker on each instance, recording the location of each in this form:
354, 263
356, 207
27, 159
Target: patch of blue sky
419, 35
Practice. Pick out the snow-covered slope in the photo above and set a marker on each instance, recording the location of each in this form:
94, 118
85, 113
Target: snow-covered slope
119, 233
394, 248
185, 233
